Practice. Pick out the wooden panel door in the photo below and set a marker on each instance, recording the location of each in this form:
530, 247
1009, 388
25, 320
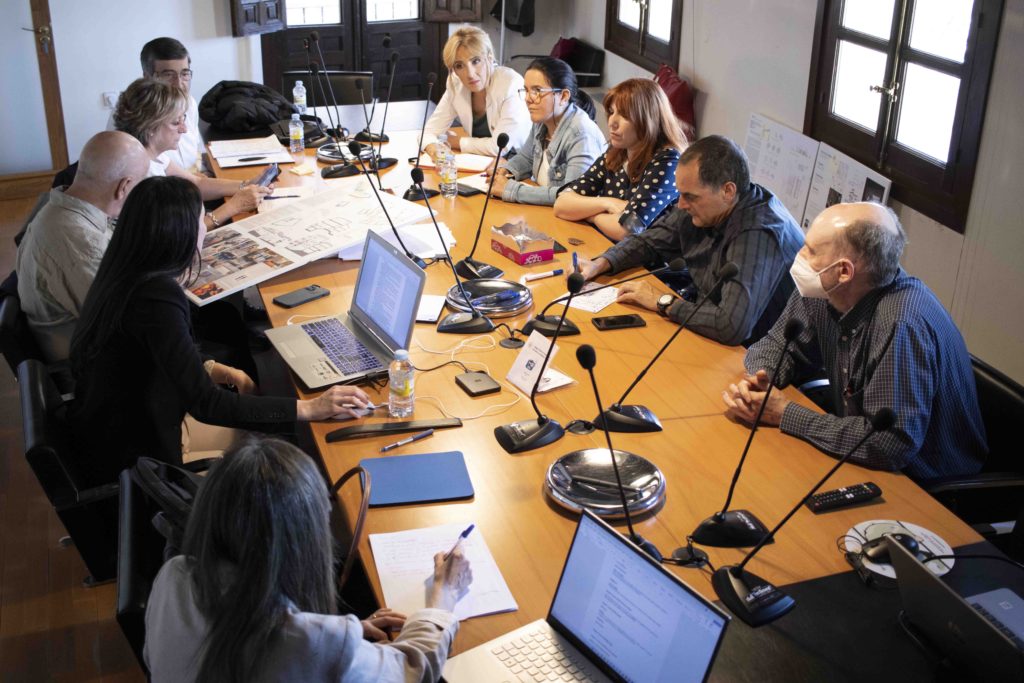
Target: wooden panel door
418, 44
286, 50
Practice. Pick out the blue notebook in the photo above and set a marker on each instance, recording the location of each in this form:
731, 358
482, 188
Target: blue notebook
423, 478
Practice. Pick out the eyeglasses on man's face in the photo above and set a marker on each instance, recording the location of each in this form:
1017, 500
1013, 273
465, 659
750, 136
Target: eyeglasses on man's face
536, 93
171, 74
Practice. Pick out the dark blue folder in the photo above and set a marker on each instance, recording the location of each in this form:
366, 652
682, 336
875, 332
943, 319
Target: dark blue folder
423, 478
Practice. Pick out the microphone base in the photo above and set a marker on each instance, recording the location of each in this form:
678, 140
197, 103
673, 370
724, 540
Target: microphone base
546, 325
380, 163
734, 529
413, 194
339, 171
688, 556
527, 435
471, 269
367, 136
633, 419
464, 323
755, 601
648, 547
331, 153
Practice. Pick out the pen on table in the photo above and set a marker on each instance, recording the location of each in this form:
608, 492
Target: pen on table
575, 262
458, 541
251, 158
281, 196
407, 441
541, 276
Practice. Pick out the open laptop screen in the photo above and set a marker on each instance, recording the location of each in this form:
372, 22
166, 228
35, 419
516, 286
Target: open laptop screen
387, 292
632, 617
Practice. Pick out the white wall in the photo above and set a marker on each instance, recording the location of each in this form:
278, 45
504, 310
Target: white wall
98, 44
744, 56
551, 21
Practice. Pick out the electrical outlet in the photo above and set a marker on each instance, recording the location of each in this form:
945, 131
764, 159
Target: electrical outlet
110, 99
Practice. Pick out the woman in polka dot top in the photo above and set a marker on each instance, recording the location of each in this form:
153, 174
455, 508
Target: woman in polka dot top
633, 182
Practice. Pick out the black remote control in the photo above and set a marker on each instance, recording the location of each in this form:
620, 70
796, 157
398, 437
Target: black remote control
840, 498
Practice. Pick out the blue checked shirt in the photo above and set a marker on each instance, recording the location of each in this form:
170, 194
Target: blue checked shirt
897, 348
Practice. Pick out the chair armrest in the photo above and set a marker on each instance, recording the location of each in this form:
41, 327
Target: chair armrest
974, 482
97, 493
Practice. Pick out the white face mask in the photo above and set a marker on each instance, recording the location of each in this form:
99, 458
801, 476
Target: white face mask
808, 280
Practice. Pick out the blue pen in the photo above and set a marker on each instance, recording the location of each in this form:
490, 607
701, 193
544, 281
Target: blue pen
459, 540
497, 297
575, 262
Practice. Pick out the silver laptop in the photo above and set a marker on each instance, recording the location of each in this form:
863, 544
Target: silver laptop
616, 616
982, 634
349, 347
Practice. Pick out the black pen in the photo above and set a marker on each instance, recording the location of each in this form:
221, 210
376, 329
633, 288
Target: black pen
282, 196
251, 158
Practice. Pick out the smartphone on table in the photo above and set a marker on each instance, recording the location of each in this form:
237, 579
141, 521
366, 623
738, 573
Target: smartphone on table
301, 296
618, 322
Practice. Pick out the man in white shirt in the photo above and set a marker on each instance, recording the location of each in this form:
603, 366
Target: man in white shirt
65, 241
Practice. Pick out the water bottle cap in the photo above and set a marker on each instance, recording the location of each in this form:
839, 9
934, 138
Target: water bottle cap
298, 83
401, 354
295, 117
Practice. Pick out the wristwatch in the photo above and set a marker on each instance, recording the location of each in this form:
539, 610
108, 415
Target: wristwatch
664, 302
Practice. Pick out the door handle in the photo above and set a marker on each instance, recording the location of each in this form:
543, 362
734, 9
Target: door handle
44, 37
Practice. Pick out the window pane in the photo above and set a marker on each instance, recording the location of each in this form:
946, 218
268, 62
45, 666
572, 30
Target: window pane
659, 19
306, 12
927, 109
873, 17
857, 69
629, 13
940, 27
392, 10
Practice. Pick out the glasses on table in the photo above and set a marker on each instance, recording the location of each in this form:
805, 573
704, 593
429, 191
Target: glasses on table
536, 93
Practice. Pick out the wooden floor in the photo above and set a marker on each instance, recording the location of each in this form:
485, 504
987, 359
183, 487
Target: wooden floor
51, 627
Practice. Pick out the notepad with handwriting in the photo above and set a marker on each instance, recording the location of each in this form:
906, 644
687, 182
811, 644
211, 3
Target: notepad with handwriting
421, 478
405, 565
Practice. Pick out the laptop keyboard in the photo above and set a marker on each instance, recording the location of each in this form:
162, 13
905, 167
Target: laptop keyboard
994, 620
348, 354
538, 656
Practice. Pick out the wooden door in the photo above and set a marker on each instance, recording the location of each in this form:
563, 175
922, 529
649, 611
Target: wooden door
287, 50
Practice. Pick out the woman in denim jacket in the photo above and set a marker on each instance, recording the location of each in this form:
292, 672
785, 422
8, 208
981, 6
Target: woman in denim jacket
564, 141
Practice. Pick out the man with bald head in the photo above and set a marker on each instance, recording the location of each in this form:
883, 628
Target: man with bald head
64, 243
886, 342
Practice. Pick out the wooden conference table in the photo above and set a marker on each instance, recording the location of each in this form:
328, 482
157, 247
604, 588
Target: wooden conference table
528, 534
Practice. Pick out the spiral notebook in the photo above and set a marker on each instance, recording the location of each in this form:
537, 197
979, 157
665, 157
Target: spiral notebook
421, 478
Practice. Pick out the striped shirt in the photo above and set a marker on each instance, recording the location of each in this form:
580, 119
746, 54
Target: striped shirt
896, 348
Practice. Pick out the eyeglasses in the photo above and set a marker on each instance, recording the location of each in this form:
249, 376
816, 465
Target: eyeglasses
169, 74
536, 93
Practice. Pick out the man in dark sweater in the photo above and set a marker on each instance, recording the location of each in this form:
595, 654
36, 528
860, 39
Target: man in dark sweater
721, 216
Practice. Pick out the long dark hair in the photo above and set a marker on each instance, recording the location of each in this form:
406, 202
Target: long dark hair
156, 234
262, 513
560, 75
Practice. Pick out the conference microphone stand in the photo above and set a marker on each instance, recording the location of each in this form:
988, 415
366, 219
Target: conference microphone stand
469, 267
353, 147
413, 193
458, 322
740, 528
526, 435
331, 151
366, 135
380, 162
757, 601
545, 324
637, 418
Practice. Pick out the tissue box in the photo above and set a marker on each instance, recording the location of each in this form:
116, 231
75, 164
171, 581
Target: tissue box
522, 244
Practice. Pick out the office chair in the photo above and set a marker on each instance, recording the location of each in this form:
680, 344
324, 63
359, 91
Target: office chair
89, 514
586, 60
18, 344
343, 82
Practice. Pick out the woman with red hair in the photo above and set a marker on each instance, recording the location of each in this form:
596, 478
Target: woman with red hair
633, 182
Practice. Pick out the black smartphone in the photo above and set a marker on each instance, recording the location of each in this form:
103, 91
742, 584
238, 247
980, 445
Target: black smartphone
466, 190
268, 176
301, 296
619, 322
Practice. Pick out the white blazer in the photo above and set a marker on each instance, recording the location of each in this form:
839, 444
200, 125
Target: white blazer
506, 113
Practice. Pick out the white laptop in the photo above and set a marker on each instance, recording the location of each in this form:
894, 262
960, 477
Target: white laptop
616, 616
348, 348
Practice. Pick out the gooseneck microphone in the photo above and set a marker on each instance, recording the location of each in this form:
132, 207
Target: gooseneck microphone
587, 358
459, 322
545, 324
638, 418
469, 267
366, 135
380, 162
748, 596
315, 37
740, 528
353, 147
413, 193
526, 435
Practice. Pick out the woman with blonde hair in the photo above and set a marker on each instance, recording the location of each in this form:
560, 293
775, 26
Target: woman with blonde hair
483, 96
153, 112
633, 182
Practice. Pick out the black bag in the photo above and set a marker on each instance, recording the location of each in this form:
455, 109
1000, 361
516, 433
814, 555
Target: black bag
173, 491
243, 106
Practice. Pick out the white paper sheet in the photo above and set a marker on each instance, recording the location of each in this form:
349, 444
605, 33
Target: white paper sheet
222, 149
421, 239
286, 196
430, 308
596, 302
782, 160
281, 156
477, 181
405, 564
463, 162
523, 373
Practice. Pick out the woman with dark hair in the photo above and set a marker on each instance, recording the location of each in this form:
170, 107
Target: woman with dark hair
565, 140
136, 367
253, 596
632, 183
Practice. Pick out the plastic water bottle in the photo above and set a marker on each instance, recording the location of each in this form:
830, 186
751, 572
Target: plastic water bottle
299, 96
441, 151
402, 382
297, 144
449, 177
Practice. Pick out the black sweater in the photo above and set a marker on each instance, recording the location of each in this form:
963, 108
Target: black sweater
131, 399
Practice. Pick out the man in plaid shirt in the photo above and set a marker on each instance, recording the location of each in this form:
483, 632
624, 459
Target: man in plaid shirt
886, 341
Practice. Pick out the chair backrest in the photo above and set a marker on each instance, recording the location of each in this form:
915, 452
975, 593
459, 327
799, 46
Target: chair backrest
16, 340
1002, 410
585, 59
343, 83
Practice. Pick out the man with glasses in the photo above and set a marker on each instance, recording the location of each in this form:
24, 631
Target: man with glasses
167, 60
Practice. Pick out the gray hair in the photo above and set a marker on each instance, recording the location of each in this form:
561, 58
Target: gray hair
721, 161
875, 246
